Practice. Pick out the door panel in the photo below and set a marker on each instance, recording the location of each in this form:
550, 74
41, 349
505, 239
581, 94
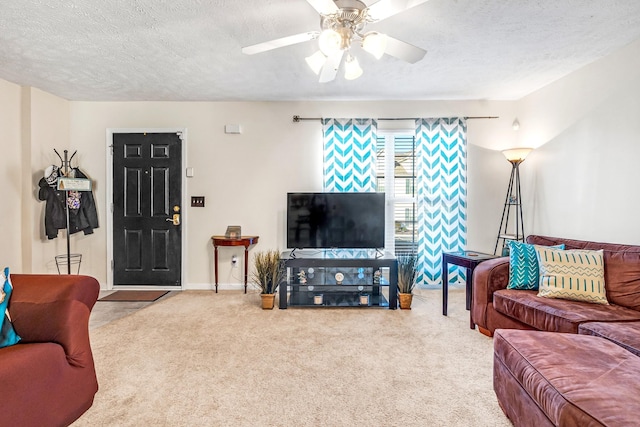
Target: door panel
147, 193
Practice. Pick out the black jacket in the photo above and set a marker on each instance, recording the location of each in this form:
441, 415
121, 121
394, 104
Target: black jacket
84, 218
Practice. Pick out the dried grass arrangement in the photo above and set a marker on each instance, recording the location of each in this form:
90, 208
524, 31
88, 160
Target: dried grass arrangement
268, 270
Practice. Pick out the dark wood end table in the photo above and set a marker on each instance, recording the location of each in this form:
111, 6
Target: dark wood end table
468, 260
246, 241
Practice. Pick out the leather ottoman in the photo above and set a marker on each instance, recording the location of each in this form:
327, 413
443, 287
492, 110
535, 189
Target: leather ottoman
547, 378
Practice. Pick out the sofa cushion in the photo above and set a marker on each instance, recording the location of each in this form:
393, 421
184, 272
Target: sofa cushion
556, 315
624, 334
8, 334
576, 380
523, 265
576, 275
621, 267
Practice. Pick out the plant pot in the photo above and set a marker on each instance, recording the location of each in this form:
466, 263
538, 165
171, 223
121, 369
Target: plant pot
268, 301
405, 301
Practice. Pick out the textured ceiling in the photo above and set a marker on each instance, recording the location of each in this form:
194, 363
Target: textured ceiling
189, 50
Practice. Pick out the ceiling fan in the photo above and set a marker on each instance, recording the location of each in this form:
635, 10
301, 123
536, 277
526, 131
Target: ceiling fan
343, 22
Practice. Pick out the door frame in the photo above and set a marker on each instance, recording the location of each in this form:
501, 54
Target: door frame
182, 133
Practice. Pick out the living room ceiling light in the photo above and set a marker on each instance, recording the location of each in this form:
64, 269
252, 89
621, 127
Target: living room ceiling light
329, 42
352, 69
375, 43
516, 154
316, 61
341, 23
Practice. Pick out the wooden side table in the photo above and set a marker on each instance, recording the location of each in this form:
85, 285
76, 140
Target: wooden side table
246, 241
468, 260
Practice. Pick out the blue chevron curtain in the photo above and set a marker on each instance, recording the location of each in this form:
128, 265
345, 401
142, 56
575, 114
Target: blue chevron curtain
441, 180
349, 154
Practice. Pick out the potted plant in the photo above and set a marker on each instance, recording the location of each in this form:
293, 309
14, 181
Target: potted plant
267, 274
407, 274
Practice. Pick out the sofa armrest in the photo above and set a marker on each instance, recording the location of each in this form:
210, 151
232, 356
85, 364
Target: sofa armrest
55, 308
488, 277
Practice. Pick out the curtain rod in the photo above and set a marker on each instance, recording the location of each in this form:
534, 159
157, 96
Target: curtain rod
297, 119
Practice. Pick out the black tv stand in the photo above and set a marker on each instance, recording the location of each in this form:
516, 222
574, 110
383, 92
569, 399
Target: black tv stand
360, 285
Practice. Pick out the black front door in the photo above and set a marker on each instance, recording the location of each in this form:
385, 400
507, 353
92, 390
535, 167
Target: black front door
147, 210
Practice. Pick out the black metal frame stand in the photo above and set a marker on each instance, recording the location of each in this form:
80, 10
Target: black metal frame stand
513, 200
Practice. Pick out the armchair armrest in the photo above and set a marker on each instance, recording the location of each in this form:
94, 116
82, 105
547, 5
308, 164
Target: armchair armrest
488, 277
55, 308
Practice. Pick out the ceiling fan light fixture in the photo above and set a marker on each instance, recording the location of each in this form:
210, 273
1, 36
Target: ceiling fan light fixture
316, 61
329, 42
352, 69
375, 43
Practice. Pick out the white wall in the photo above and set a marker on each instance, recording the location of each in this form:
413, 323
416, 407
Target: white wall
11, 176
577, 183
245, 177
585, 171
32, 123
48, 122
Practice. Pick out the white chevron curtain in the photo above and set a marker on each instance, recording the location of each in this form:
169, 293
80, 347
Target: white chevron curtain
349, 154
441, 181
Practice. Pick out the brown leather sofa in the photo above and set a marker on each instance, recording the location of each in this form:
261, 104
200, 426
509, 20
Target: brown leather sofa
48, 378
559, 362
494, 306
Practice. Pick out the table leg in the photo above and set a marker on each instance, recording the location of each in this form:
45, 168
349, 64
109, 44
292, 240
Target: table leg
246, 267
215, 262
472, 325
468, 288
445, 286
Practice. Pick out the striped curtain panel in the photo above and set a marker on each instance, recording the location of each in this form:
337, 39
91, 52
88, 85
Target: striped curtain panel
441, 180
349, 154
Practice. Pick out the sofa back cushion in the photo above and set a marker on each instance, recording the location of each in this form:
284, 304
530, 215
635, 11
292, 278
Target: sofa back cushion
621, 267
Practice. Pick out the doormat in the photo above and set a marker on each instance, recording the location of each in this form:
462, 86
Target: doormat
146, 296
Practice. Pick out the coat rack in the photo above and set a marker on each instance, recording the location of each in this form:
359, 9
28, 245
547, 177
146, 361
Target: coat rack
65, 166
67, 184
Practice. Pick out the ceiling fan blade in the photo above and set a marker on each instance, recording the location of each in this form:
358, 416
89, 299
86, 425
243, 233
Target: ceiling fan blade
403, 50
386, 8
324, 7
281, 42
330, 68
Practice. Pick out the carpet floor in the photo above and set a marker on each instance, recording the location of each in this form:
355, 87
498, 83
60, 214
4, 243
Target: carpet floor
205, 359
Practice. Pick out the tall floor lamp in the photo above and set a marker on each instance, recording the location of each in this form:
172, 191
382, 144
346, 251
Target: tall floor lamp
513, 201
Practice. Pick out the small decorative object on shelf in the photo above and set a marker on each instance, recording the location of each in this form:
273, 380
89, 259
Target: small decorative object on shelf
364, 299
339, 278
233, 232
376, 277
302, 277
317, 299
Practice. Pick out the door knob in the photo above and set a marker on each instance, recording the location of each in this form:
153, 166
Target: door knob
175, 219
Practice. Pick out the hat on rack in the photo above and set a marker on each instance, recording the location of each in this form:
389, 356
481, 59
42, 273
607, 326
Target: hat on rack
51, 175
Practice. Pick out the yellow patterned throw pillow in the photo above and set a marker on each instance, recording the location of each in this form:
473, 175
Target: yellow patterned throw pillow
571, 274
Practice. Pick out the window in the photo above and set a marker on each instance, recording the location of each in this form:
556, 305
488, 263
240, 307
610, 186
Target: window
395, 175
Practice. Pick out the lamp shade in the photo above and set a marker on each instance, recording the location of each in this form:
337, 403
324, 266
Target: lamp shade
329, 42
316, 61
375, 43
352, 69
516, 154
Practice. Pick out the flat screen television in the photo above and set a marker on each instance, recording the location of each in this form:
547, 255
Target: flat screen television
335, 220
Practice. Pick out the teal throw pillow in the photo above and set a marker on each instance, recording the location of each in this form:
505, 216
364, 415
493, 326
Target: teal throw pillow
8, 335
523, 266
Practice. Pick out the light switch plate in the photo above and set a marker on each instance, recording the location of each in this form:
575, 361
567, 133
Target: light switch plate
197, 201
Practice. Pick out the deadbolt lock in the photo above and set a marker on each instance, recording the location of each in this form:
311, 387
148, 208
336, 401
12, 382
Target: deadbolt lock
176, 208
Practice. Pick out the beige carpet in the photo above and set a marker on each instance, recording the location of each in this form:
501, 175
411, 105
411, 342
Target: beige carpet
206, 359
